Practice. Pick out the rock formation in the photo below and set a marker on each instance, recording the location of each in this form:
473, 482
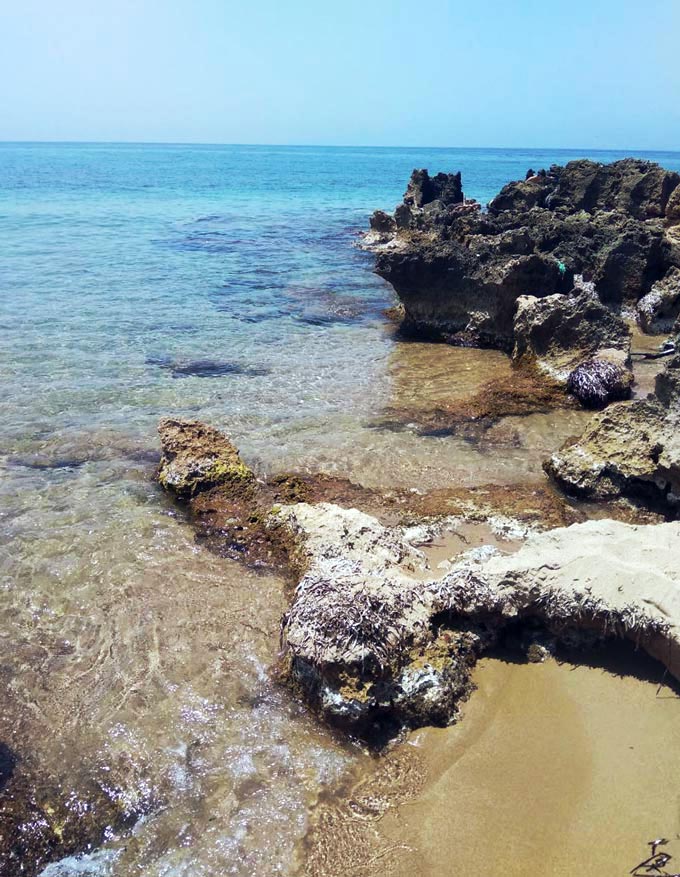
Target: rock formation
658, 310
197, 457
459, 271
369, 644
577, 340
630, 450
374, 640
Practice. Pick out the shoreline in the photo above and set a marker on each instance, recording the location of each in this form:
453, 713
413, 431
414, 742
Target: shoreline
458, 549
522, 784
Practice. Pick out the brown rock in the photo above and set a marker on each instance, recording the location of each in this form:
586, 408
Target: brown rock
197, 457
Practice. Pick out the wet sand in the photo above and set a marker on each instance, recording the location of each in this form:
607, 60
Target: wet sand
554, 769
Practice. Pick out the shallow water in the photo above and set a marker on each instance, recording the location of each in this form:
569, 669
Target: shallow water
220, 283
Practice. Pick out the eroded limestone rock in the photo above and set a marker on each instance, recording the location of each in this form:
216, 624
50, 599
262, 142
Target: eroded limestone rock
630, 450
659, 309
673, 207
197, 457
459, 272
559, 332
368, 643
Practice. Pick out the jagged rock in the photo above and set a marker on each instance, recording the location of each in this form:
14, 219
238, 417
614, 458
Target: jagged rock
369, 644
458, 271
630, 450
197, 457
575, 339
559, 332
382, 222
524, 194
673, 206
667, 389
330, 532
658, 310
629, 263
638, 188
423, 189
465, 292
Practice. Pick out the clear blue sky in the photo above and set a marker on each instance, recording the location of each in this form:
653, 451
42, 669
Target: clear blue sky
581, 73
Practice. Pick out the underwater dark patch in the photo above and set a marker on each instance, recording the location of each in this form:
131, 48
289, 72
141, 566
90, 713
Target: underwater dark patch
205, 368
390, 426
43, 463
323, 319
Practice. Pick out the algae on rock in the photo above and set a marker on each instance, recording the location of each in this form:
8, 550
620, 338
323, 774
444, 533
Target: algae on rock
197, 457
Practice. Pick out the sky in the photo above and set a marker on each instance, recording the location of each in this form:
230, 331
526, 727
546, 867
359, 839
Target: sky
507, 73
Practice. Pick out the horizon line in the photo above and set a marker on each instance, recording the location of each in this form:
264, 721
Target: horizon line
331, 145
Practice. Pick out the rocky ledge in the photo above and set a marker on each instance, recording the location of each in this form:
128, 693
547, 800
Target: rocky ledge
499, 277
373, 639
630, 450
374, 647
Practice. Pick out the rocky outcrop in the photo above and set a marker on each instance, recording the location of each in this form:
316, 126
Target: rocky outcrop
375, 640
576, 340
673, 207
466, 293
641, 189
369, 644
630, 450
459, 271
659, 309
423, 189
559, 332
196, 457
667, 389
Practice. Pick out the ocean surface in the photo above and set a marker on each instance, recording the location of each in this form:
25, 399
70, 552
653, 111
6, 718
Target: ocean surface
218, 282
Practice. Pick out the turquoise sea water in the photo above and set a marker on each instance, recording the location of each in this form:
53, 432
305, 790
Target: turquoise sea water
218, 282
118, 261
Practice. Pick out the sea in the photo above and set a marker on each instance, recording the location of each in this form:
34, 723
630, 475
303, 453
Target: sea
220, 283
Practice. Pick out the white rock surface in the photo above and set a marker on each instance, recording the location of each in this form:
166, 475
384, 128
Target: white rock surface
357, 606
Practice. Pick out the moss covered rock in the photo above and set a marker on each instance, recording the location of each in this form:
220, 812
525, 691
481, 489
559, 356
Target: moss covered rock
197, 457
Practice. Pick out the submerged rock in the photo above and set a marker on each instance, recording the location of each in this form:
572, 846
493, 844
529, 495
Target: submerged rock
44, 818
459, 272
197, 457
204, 368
